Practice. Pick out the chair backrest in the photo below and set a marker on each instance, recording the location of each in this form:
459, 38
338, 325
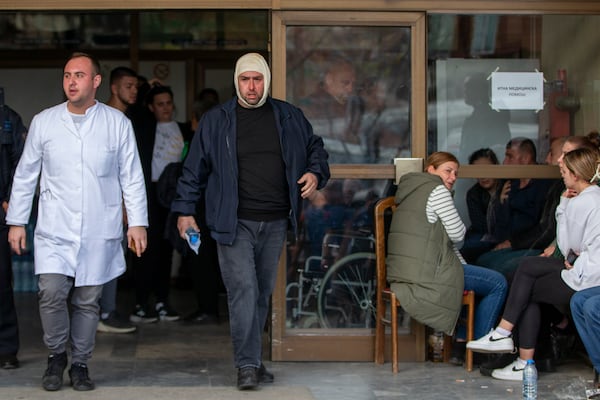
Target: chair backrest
381, 208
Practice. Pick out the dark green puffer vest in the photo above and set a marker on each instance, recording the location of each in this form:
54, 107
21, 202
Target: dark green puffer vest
423, 270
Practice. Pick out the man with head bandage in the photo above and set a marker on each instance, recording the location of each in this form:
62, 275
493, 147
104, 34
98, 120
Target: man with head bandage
254, 158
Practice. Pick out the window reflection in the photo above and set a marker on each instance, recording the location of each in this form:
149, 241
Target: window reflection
353, 83
63, 31
331, 267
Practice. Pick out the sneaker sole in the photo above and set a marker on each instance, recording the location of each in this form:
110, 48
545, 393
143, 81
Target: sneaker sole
169, 319
508, 378
491, 350
111, 329
140, 320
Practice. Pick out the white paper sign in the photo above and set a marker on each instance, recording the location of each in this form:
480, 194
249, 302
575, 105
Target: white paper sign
517, 90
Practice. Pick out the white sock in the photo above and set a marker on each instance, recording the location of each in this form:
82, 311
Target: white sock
503, 332
521, 362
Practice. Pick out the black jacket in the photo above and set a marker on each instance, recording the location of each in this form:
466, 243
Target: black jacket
211, 167
12, 141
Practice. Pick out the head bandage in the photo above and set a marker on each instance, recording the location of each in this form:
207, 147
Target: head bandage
256, 63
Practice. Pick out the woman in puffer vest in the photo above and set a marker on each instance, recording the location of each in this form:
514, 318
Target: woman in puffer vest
425, 269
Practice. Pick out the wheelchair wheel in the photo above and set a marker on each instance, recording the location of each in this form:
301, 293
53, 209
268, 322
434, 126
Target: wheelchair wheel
347, 294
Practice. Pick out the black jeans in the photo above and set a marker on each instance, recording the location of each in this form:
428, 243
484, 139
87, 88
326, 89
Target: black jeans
536, 281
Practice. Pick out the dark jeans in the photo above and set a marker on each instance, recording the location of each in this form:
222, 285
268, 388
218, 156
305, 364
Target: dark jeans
536, 281
249, 268
205, 274
152, 271
9, 329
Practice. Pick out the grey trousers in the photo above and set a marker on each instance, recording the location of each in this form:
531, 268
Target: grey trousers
54, 314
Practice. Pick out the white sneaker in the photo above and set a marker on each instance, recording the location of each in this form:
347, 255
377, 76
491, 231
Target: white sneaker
492, 343
512, 372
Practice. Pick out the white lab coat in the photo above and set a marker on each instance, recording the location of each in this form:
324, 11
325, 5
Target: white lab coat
84, 178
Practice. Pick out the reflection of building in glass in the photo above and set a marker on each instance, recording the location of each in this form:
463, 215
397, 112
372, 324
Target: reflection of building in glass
353, 93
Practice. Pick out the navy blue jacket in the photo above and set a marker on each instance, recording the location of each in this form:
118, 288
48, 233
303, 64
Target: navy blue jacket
12, 140
212, 166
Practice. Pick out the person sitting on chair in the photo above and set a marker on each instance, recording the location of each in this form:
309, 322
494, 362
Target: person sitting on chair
425, 269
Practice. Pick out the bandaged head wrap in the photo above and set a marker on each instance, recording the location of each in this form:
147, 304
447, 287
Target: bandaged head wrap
256, 63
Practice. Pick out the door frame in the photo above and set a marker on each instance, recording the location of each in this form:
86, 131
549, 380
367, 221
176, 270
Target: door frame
347, 344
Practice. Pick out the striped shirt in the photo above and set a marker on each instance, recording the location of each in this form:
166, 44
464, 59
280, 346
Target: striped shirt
440, 205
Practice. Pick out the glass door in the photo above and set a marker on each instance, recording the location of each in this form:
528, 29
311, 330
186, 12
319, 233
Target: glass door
360, 80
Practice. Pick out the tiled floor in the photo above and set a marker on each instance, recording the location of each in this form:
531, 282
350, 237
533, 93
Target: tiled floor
172, 355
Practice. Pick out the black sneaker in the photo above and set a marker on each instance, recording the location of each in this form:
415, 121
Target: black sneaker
166, 313
142, 315
80, 379
247, 378
53, 377
115, 324
9, 361
501, 361
264, 376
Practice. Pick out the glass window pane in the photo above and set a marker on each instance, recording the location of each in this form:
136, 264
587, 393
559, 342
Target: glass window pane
331, 267
22, 30
206, 30
463, 52
353, 83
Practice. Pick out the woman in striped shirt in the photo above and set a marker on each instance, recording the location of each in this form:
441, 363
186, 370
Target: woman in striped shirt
423, 258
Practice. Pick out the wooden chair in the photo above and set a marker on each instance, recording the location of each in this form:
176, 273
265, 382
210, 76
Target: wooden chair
385, 295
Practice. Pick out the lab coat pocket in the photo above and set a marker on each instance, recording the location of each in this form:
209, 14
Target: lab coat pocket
106, 162
111, 191
111, 226
46, 219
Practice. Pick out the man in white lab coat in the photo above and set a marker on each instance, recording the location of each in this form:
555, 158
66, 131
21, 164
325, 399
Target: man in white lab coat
86, 158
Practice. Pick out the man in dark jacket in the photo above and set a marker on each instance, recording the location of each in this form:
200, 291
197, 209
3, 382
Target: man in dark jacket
12, 139
254, 158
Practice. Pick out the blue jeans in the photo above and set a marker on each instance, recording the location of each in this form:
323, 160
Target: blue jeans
585, 309
249, 268
490, 289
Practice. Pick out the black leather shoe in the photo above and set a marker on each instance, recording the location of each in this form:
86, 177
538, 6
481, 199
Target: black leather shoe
53, 377
80, 379
264, 376
9, 362
457, 354
247, 378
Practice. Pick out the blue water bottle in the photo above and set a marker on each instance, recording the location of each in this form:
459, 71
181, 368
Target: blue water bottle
193, 239
530, 377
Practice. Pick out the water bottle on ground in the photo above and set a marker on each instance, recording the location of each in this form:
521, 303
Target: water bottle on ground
530, 377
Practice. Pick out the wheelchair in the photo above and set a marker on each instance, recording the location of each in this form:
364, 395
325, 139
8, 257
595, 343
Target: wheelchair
336, 289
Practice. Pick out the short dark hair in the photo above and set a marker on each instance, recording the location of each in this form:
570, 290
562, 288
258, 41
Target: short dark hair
208, 94
94, 60
156, 90
524, 145
201, 106
483, 153
120, 72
